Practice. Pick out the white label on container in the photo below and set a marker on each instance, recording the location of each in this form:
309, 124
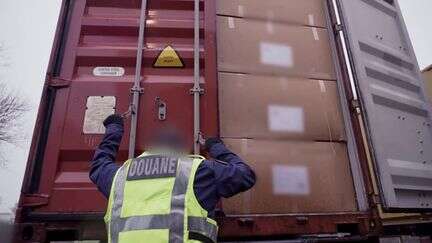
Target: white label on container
97, 109
276, 54
290, 180
285, 118
108, 71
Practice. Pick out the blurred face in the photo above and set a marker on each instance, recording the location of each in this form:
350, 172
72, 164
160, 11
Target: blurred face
169, 140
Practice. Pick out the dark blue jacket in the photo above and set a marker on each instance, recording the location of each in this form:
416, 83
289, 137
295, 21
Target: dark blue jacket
224, 176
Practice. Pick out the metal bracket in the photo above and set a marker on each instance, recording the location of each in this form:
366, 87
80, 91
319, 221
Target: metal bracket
338, 27
35, 200
196, 90
161, 109
59, 83
355, 104
137, 90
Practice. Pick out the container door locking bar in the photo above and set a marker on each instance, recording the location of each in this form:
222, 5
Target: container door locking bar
340, 33
196, 90
348, 106
137, 90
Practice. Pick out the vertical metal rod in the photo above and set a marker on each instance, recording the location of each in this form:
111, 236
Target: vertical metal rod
137, 90
196, 89
345, 51
353, 155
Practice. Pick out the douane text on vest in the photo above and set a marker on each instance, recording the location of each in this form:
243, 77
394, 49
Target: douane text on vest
151, 167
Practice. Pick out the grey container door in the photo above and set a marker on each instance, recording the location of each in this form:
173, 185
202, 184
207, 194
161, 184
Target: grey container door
391, 91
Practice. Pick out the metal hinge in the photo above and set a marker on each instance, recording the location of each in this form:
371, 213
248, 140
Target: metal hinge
35, 200
355, 105
137, 90
59, 83
196, 90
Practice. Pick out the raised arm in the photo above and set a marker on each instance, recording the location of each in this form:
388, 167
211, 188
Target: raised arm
232, 174
103, 166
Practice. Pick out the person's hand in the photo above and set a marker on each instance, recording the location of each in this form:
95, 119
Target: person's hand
201, 139
113, 119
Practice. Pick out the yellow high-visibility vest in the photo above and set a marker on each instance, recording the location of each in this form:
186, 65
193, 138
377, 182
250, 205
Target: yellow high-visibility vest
152, 200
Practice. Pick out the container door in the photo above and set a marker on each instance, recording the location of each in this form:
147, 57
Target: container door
392, 94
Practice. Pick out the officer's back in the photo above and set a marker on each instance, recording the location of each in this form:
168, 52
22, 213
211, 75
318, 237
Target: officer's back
165, 195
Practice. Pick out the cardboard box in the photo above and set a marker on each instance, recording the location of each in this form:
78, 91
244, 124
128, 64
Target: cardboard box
260, 47
275, 107
304, 12
293, 177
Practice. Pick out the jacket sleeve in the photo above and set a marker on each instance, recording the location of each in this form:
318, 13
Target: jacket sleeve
103, 166
232, 174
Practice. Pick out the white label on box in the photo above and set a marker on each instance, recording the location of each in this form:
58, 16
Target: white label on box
97, 109
108, 71
285, 118
276, 54
290, 180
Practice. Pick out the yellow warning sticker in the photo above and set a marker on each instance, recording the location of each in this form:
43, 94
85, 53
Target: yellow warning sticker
168, 58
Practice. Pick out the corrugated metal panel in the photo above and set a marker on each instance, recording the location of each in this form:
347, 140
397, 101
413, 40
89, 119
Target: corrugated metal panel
398, 117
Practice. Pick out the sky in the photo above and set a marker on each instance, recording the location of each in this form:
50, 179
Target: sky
27, 30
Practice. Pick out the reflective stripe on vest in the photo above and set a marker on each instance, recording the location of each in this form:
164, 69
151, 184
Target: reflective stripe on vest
174, 221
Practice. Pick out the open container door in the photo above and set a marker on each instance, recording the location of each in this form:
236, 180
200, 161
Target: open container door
392, 97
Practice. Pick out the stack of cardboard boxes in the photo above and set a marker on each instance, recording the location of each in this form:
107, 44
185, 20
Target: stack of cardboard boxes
279, 107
